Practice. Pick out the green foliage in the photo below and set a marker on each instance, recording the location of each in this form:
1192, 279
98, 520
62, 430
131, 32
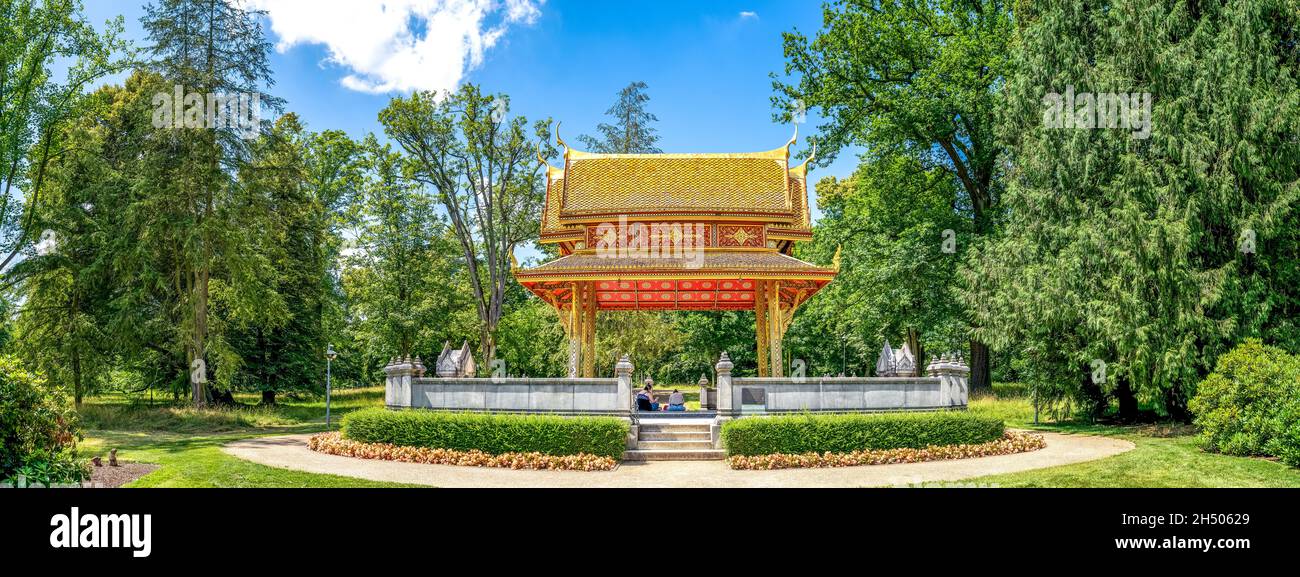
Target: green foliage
38, 429
632, 131
1250, 404
491, 433
531, 341
407, 291
896, 281
49, 56
481, 165
809, 433
1130, 250
917, 85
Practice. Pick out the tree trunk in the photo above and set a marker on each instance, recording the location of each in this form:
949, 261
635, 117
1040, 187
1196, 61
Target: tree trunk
77, 390
914, 345
1093, 394
1128, 404
980, 379
268, 398
199, 385
1176, 405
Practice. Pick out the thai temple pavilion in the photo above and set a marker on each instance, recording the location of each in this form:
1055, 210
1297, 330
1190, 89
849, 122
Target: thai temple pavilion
676, 232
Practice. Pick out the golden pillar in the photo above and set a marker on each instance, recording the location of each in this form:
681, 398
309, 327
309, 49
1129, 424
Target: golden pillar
589, 331
573, 329
776, 327
760, 326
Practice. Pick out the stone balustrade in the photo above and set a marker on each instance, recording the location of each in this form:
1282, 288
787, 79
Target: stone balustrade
407, 387
943, 387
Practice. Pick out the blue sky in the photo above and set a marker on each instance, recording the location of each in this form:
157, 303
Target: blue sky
706, 63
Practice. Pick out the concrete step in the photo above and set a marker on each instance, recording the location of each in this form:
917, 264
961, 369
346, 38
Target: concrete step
675, 428
672, 445
674, 455
675, 436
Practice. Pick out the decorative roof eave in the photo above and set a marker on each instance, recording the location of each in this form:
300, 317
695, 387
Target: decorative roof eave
589, 216
760, 264
529, 277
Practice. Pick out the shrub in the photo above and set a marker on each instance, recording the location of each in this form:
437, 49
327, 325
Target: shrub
806, 433
494, 434
1250, 404
38, 430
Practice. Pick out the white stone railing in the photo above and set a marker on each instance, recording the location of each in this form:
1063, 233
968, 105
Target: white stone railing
943, 387
407, 387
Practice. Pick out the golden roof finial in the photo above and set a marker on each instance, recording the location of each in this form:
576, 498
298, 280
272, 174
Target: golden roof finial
514, 262
551, 172
835, 260
793, 139
558, 140
801, 171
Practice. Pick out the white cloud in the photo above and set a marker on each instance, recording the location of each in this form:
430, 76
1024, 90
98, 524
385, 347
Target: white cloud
399, 45
747, 14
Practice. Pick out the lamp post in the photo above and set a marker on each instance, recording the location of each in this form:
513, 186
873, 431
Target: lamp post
330, 354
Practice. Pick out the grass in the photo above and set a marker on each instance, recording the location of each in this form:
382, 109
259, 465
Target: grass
186, 442
1164, 456
128, 413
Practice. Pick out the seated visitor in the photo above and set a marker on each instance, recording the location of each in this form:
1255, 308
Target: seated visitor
677, 401
645, 399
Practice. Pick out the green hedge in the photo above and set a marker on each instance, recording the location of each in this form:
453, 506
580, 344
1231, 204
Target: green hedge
1250, 404
808, 433
491, 433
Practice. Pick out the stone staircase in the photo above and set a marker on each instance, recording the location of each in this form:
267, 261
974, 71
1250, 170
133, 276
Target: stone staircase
674, 440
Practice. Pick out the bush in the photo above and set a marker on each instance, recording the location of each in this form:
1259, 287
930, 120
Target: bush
494, 434
808, 433
38, 430
1250, 404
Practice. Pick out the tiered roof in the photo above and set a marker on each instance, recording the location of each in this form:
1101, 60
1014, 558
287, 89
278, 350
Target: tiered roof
745, 187
743, 213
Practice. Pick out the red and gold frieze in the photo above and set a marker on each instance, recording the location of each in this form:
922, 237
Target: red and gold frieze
740, 235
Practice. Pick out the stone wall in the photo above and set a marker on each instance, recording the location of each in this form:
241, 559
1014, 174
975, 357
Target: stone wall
407, 387
943, 387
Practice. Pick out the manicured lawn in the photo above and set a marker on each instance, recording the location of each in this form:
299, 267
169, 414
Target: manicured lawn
1165, 456
186, 443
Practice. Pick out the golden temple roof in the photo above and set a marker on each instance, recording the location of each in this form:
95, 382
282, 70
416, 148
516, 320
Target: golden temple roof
753, 187
747, 185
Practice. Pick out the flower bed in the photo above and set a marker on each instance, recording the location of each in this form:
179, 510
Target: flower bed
335, 444
1010, 443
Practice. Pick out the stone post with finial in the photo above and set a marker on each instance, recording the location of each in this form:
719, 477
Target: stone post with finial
953, 375
397, 384
703, 383
623, 372
726, 404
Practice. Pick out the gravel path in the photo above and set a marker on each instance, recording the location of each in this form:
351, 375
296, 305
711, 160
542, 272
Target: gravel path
291, 452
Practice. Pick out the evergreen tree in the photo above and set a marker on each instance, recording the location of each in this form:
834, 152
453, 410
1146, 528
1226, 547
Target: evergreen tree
1132, 259
632, 131
206, 47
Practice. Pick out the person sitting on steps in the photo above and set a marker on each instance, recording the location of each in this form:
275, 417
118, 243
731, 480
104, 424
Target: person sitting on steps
676, 401
645, 400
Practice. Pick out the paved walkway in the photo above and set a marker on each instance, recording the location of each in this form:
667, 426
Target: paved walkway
291, 452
